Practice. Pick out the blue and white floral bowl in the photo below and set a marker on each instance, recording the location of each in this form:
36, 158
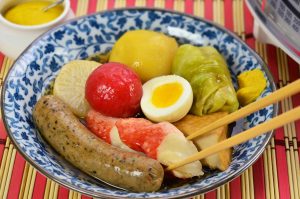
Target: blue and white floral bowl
35, 70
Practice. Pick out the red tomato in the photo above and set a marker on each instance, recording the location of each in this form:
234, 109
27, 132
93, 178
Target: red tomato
114, 90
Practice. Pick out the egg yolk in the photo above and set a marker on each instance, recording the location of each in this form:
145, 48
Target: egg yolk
166, 95
31, 13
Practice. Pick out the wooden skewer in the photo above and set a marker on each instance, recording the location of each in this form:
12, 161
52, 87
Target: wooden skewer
276, 96
274, 123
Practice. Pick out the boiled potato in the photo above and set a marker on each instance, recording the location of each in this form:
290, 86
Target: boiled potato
251, 84
148, 53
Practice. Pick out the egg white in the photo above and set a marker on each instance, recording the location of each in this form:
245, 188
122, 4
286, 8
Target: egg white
171, 113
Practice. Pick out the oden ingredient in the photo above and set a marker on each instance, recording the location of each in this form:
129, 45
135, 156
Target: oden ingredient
69, 85
191, 124
114, 90
166, 98
148, 53
207, 72
31, 13
251, 84
65, 133
162, 141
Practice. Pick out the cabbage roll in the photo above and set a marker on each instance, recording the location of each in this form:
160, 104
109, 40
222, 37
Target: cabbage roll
208, 74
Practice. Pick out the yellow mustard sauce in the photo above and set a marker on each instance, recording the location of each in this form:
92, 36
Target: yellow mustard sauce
31, 13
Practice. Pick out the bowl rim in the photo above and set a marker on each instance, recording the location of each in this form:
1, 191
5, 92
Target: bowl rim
206, 189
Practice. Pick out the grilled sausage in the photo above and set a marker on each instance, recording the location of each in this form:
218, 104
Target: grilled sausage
70, 138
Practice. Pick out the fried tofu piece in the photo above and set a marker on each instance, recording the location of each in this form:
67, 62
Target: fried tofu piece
190, 123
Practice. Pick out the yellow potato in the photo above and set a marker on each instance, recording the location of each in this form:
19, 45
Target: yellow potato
252, 83
148, 53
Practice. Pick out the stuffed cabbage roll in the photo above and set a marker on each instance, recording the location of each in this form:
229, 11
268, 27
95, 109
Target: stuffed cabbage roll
207, 72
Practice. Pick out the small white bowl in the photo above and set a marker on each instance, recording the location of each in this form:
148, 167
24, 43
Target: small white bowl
15, 38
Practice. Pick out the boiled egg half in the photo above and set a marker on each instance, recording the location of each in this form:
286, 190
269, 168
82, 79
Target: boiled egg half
166, 98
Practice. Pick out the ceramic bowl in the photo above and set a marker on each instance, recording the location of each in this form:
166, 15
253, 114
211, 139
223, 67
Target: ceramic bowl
35, 70
15, 38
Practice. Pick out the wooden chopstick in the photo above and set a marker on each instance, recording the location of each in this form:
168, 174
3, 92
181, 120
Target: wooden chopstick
278, 95
274, 123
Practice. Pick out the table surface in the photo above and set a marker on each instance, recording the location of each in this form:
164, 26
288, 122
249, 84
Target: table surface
276, 174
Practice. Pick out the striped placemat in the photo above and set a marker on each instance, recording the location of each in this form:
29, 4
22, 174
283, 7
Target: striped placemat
275, 175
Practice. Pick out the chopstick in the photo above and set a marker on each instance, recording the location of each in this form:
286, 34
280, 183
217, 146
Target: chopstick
276, 96
274, 123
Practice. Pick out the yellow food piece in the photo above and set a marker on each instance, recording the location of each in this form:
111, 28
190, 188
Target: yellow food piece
30, 13
251, 84
192, 123
148, 53
166, 98
69, 85
167, 94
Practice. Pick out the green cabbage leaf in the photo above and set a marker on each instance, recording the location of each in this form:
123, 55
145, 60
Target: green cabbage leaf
208, 74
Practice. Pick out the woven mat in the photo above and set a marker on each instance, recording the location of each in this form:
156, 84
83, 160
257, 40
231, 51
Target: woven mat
275, 175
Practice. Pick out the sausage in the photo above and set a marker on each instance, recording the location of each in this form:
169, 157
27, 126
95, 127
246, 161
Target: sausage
70, 138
